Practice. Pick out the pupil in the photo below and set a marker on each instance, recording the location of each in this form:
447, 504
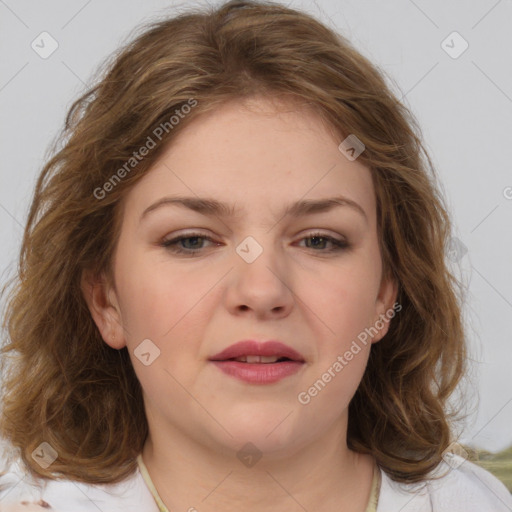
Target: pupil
194, 238
317, 239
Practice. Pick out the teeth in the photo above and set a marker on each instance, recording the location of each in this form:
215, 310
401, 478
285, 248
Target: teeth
268, 359
257, 359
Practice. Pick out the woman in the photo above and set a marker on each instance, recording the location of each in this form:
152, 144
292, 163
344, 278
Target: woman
233, 288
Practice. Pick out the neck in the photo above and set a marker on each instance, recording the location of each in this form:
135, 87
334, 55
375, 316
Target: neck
324, 475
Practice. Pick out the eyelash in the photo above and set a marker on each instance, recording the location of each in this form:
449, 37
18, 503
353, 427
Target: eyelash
172, 244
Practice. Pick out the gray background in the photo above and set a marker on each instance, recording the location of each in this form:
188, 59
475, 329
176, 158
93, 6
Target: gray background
464, 106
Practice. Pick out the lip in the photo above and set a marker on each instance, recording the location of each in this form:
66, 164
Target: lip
258, 373
255, 348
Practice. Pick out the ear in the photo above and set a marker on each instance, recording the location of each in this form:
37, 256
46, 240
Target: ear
102, 301
386, 306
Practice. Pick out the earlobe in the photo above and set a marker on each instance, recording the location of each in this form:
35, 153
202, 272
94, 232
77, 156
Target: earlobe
103, 306
385, 309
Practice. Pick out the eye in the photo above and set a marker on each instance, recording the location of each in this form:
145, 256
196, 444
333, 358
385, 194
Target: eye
194, 243
318, 243
189, 243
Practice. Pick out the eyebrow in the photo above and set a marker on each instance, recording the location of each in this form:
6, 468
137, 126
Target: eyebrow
212, 207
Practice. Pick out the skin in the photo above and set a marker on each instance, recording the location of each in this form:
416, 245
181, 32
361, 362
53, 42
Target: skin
259, 158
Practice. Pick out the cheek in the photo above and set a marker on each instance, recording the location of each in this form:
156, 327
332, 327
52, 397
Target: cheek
172, 310
344, 299
342, 354
154, 298
328, 395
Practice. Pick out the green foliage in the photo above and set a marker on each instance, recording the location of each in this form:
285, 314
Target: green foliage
499, 464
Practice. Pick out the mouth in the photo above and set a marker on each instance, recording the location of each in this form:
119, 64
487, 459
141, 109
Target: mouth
259, 363
259, 359
255, 352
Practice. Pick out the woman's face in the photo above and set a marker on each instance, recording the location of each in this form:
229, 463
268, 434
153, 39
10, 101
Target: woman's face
249, 271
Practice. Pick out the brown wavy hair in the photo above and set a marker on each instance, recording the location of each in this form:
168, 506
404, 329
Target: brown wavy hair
64, 385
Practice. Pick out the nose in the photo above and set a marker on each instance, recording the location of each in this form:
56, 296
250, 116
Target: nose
260, 287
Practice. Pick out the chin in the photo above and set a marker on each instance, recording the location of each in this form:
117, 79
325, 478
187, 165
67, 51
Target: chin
271, 431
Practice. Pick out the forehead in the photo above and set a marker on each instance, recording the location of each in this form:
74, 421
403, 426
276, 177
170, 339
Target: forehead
260, 155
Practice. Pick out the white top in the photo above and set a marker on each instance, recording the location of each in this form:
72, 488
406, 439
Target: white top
464, 487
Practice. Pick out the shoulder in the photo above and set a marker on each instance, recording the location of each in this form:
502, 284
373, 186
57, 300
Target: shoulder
19, 491
456, 485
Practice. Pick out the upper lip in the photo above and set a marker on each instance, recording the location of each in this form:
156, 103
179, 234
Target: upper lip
255, 348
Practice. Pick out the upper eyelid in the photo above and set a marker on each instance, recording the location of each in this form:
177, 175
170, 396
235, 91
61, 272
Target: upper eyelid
311, 232
341, 239
190, 234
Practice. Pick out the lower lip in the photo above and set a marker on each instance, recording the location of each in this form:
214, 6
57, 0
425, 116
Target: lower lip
259, 373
